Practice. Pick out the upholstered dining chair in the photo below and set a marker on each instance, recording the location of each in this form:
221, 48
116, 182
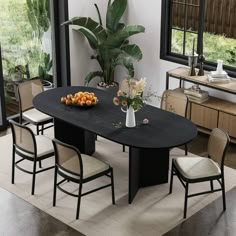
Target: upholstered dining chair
191, 170
177, 102
27, 91
31, 147
79, 168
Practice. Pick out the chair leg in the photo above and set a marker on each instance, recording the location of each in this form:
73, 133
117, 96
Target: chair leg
55, 187
40, 164
185, 200
123, 148
223, 193
112, 188
186, 149
212, 185
79, 200
37, 129
34, 176
42, 128
20, 119
171, 177
13, 166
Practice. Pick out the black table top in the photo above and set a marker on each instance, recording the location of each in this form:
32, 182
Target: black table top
164, 130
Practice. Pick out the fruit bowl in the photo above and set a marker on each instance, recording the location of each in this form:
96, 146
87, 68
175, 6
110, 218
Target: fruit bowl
81, 99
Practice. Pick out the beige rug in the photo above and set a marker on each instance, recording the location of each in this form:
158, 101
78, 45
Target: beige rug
153, 211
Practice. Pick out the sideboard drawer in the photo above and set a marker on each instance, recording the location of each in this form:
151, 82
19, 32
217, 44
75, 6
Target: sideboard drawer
228, 123
204, 116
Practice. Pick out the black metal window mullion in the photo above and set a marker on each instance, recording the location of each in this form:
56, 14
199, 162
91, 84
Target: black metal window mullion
201, 27
3, 121
185, 25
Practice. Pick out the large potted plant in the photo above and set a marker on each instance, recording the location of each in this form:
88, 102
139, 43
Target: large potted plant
44, 71
110, 44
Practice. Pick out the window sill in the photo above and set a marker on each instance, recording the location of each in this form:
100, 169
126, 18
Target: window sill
208, 66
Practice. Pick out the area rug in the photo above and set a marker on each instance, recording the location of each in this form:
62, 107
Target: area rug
153, 211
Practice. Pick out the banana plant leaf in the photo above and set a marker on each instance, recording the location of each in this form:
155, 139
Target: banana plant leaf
126, 62
133, 50
90, 25
92, 75
117, 38
114, 13
91, 39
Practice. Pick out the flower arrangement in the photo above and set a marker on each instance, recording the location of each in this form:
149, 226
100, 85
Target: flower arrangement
131, 93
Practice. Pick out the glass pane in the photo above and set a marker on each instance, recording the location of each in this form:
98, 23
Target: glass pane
192, 18
219, 40
26, 42
178, 15
190, 39
185, 20
177, 41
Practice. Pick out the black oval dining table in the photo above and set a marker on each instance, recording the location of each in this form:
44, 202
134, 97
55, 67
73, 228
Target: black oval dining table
149, 144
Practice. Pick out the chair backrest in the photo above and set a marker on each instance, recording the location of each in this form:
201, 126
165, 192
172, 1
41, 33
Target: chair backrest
27, 91
217, 145
63, 154
174, 101
23, 138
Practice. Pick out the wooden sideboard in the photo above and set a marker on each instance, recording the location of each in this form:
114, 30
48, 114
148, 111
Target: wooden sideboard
215, 112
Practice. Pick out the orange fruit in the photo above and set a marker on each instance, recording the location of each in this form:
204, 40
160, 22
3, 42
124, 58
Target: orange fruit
69, 96
82, 103
88, 103
83, 99
68, 102
63, 99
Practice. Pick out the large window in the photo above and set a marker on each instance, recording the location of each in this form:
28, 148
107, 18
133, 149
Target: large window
210, 24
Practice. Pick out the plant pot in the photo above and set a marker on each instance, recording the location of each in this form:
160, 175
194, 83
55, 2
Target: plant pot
47, 85
16, 77
113, 88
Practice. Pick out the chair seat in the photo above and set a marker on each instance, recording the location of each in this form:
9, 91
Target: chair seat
197, 167
44, 147
36, 116
91, 166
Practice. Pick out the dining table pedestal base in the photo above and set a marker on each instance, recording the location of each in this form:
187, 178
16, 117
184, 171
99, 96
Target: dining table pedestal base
82, 139
147, 167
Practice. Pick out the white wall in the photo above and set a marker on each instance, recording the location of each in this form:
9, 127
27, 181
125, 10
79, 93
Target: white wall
146, 13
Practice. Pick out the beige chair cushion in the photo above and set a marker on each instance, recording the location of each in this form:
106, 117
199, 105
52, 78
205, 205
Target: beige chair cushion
44, 147
35, 115
197, 167
91, 166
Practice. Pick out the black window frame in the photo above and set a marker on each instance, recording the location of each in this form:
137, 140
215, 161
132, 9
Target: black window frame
165, 47
61, 55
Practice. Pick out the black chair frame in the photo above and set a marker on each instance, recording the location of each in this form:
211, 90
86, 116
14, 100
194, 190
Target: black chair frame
80, 180
185, 182
37, 124
35, 159
185, 115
